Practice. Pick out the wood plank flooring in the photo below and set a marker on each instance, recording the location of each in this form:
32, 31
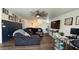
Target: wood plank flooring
45, 44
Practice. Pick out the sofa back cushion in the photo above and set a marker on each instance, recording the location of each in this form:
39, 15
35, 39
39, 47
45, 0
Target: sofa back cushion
33, 30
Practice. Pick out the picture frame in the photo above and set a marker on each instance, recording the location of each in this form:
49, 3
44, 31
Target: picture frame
5, 11
77, 20
13, 17
16, 18
20, 20
10, 17
68, 21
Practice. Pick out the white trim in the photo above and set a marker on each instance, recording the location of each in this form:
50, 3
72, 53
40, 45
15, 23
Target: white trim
0, 27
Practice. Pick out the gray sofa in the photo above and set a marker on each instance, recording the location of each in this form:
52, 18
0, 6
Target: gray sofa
25, 40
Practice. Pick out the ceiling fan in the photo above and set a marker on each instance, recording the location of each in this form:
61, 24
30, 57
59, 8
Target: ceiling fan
39, 13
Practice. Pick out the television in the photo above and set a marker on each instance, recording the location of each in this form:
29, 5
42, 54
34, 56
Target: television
74, 31
55, 24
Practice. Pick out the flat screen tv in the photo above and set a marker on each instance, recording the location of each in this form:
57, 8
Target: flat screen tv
74, 31
55, 24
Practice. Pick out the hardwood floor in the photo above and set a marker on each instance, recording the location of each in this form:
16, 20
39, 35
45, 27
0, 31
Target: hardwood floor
45, 44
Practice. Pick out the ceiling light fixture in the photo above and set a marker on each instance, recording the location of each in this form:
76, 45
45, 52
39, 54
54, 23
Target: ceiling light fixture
39, 14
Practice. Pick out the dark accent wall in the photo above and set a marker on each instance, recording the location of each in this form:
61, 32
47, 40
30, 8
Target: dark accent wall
8, 28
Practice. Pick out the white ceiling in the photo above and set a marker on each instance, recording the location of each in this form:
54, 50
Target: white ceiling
52, 12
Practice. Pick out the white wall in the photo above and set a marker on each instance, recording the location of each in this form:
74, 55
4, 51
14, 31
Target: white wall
37, 23
0, 28
65, 28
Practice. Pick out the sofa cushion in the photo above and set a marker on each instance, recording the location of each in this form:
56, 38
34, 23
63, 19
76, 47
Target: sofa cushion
34, 31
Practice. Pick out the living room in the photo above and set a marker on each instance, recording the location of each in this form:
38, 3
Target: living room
31, 18
11, 22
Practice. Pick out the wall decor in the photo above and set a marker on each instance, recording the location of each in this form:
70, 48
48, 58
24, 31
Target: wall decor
68, 21
10, 17
13, 16
16, 18
5, 11
20, 20
77, 20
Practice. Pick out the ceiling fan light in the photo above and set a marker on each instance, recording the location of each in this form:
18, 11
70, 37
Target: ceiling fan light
37, 16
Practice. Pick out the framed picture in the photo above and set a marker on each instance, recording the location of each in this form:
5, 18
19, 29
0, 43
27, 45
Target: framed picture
10, 18
20, 20
5, 11
77, 20
68, 21
17, 19
13, 17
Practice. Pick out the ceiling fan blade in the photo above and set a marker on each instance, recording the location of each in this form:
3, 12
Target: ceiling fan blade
43, 14
40, 13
